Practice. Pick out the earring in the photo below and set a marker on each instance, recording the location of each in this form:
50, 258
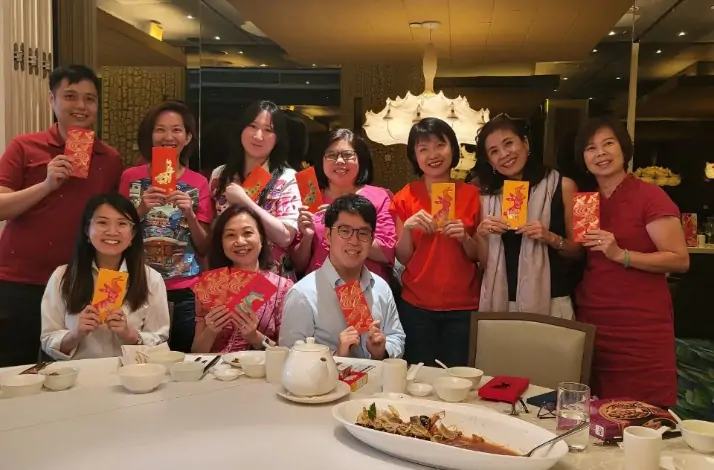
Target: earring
494, 170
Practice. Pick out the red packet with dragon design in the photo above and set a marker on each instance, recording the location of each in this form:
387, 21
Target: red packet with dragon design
515, 203
256, 181
78, 148
354, 306
109, 292
586, 214
254, 294
443, 207
164, 165
309, 190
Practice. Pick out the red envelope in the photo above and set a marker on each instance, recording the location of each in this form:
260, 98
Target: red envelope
505, 389
586, 214
78, 148
256, 181
309, 190
354, 306
211, 289
164, 166
254, 294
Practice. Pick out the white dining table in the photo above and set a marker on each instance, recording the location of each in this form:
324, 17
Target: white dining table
210, 424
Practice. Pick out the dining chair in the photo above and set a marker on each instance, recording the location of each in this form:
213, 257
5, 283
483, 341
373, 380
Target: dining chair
545, 349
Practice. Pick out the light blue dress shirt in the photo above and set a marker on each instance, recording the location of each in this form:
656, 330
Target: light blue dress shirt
311, 309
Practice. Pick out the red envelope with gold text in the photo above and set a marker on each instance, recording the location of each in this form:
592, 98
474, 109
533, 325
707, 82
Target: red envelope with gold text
109, 292
164, 167
254, 294
256, 181
211, 290
586, 214
78, 148
309, 190
354, 306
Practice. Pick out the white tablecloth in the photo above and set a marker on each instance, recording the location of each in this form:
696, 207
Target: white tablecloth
214, 424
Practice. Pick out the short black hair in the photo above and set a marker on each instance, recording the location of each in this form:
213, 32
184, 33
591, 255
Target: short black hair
352, 204
422, 131
145, 136
588, 131
73, 74
364, 158
491, 181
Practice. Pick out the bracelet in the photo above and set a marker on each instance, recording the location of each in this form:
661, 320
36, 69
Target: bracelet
626, 264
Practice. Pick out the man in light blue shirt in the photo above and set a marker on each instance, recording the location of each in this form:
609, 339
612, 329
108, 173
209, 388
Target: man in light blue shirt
312, 308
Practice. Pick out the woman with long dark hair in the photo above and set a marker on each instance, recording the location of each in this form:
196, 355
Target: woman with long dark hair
109, 238
346, 168
263, 142
240, 242
524, 269
175, 225
624, 290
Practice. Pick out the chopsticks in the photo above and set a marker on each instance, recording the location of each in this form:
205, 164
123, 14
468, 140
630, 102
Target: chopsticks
213, 362
36, 368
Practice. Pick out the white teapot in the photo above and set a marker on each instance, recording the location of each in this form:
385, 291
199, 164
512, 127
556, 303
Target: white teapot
310, 370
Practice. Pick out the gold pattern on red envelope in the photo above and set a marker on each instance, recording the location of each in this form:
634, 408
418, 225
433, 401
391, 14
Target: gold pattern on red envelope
354, 306
586, 214
78, 148
219, 286
256, 181
109, 292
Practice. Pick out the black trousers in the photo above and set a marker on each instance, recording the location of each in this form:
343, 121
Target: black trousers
435, 335
20, 323
183, 322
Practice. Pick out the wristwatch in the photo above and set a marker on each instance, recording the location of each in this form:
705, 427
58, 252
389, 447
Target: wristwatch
561, 244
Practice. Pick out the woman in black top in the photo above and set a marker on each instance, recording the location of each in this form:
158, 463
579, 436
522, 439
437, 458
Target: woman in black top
524, 269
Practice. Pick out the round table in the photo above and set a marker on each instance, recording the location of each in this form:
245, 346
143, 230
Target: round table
214, 424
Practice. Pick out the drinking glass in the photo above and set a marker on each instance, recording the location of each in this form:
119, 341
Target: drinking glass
573, 408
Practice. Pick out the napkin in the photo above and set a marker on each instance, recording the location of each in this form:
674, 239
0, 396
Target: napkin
136, 354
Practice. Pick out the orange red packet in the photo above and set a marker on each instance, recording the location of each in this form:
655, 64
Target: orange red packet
586, 214
78, 148
443, 203
164, 166
109, 291
309, 190
256, 181
218, 286
252, 295
354, 306
515, 203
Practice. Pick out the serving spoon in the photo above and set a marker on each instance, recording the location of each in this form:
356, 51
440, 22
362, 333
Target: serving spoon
577, 428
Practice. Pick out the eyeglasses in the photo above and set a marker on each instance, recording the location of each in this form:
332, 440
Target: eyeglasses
347, 155
120, 225
345, 232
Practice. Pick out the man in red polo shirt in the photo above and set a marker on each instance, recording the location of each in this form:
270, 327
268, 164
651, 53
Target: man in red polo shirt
43, 203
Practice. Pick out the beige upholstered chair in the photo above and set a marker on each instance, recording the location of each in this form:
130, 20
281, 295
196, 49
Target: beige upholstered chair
545, 349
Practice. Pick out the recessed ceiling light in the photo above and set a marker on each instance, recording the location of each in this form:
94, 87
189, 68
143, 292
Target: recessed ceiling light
590, 98
611, 33
555, 89
659, 51
307, 83
682, 33
263, 65
617, 78
594, 50
240, 52
217, 38
565, 78
314, 65
189, 17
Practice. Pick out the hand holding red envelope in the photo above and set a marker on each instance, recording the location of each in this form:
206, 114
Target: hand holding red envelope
78, 148
164, 168
253, 295
586, 214
354, 306
256, 181
310, 191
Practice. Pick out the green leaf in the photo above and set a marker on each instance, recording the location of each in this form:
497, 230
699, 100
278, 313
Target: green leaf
372, 412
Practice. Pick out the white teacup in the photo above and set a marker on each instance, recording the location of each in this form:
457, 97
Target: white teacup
275, 358
642, 448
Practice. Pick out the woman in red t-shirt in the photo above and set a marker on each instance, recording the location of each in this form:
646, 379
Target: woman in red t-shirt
624, 291
440, 280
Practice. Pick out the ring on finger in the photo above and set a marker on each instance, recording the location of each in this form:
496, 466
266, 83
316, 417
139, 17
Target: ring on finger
599, 242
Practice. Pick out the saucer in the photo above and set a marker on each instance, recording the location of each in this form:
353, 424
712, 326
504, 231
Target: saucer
341, 390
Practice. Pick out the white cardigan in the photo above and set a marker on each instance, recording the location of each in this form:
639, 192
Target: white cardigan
151, 320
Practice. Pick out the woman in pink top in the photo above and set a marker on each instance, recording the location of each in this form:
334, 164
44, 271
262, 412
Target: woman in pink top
240, 242
346, 168
174, 225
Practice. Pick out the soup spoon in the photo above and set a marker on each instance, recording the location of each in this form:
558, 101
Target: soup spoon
577, 428
441, 364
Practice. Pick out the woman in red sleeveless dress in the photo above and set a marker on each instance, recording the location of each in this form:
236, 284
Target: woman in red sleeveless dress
624, 290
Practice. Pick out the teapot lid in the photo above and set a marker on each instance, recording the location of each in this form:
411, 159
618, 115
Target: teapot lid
309, 345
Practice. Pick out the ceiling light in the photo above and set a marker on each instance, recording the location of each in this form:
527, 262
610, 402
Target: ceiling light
263, 65
617, 78
659, 51
314, 65
307, 83
240, 52
681, 33
217, 38
611, 33
565, 78
594, 50
189, 17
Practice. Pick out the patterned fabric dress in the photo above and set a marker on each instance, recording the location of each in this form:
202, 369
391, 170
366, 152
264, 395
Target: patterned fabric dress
282, 203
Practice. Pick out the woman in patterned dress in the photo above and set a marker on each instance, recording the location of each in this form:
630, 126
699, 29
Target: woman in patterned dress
263, 142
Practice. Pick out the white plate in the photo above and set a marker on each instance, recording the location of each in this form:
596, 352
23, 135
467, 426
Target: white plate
505, 430
230, 357
341, 390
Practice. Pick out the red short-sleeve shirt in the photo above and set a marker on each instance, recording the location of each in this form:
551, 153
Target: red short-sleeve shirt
33, 244
439, 276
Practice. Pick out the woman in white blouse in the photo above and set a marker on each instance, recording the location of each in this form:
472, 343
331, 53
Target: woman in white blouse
108, 239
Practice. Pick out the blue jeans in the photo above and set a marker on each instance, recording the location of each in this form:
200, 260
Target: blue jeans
435, 335
183, 322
